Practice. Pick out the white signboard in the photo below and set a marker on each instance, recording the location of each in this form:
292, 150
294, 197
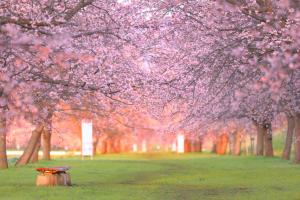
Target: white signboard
180, 143
87, 138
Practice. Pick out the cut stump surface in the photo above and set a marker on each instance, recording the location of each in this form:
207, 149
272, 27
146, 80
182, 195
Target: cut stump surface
53, 176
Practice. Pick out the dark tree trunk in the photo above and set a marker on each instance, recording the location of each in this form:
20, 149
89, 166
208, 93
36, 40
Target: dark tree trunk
289, 138
297, 138
259, 139
35, 155
252, 139
95, 144
46, 143
268, 140
34, 139
199, 144
214, 146
3, 157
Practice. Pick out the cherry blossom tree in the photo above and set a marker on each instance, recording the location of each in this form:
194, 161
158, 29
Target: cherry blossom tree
206, 52
202, 62
62, 50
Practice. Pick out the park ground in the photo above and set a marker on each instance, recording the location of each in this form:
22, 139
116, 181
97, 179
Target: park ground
161, 177
158, 176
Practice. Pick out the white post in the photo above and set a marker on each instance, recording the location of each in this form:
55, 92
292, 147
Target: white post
180, 143
144, 146
134, 148
87, 139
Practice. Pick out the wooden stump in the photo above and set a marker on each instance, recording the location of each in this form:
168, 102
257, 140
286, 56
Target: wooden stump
48, 179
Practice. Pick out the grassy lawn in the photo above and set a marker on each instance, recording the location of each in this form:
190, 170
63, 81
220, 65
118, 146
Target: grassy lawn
160, 177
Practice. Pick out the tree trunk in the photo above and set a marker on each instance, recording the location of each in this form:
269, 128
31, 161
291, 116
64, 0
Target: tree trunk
117, 144
187, 145
109, 145
297, 138
222, 144
46, 143
35, 155
231, 142
95, 144
103, 149
289, 138
237, 144
3, 157
214, 147
35, 137
259, 139
252, 139
200, 141
197, 145
268, 140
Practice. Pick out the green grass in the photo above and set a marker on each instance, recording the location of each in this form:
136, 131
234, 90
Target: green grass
279, 142
160, 177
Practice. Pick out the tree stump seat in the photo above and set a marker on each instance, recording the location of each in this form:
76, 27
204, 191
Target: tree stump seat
53, 176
